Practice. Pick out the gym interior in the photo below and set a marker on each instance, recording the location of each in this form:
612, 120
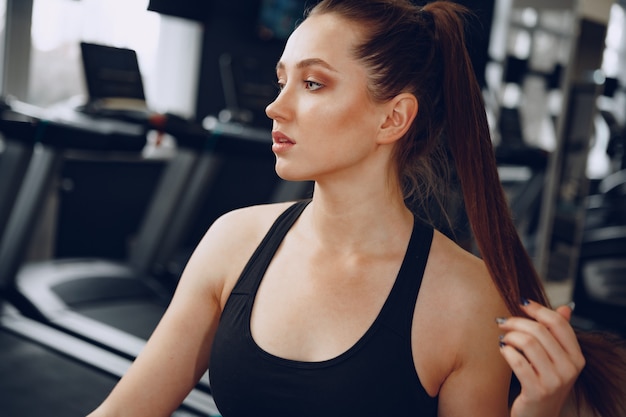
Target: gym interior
128, 127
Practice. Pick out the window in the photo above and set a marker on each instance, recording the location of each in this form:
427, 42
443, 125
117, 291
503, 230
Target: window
59, 25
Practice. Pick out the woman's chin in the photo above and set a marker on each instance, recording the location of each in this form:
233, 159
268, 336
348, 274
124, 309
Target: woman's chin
288, 174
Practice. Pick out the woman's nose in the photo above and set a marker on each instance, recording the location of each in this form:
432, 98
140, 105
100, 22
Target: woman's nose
272, 110
277, 109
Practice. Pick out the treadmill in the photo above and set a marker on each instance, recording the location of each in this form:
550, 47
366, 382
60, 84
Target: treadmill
45, 371
48, 372
113, 304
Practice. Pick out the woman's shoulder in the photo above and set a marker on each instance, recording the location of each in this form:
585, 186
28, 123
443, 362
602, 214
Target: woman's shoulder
248, 221
459, 288
241, 230
231, 240
463, 274
458, 303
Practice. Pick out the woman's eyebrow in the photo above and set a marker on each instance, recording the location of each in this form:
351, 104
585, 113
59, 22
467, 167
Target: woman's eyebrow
305, 63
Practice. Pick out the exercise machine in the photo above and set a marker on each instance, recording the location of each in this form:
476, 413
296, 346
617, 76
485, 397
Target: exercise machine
47, 372
17, 140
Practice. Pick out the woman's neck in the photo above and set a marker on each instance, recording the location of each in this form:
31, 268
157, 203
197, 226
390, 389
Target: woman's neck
358, 222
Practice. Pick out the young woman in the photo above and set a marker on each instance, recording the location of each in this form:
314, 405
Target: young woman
351, 304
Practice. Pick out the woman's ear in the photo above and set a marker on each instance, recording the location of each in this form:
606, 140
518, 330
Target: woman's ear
401, 112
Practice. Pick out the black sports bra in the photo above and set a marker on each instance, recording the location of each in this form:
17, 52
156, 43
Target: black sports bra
375, 377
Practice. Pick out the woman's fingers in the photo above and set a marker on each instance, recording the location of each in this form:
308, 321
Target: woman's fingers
541, 368
557, 323
566, 311
551, 329
543, 352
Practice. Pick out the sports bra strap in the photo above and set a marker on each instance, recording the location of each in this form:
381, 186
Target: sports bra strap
255, 268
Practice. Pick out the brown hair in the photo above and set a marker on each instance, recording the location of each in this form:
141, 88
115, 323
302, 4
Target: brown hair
422, 50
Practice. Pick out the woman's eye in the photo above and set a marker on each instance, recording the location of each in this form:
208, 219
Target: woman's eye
312, 85
280, 85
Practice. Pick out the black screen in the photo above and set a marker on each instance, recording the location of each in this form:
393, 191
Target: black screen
197, 10
111, 72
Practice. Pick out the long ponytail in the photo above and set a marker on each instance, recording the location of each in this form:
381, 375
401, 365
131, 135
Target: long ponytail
470, 145
602, 383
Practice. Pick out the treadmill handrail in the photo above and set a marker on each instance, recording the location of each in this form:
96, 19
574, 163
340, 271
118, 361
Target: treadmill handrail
71, 129
17, 127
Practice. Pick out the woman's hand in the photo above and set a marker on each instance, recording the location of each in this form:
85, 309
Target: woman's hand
545, 356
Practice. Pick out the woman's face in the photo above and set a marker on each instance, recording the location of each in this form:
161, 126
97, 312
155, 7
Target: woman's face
325, 123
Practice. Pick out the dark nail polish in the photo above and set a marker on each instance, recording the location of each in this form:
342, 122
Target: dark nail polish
502, 344
524, 301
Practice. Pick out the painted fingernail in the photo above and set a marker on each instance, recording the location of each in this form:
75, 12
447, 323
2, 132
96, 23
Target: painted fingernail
502, 344
571, 305
500, 320
524, 301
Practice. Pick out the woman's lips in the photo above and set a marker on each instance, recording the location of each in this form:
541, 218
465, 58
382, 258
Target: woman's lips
281, 142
